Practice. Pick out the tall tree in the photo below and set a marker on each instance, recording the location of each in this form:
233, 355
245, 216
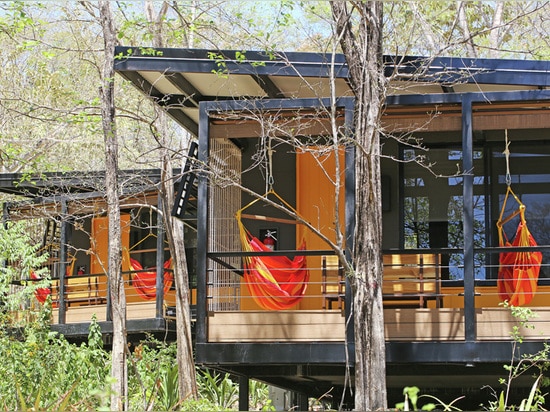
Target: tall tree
187, 384
114, 273
359, 26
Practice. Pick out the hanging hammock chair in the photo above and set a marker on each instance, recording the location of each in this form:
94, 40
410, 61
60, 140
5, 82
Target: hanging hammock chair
145, 281
274, 282
518, 271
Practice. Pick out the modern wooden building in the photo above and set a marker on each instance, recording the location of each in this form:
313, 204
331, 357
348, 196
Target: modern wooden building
446, 329
67, 213
265, 124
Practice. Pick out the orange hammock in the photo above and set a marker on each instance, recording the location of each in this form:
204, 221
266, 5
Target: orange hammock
145, 282
274, 282
518, 271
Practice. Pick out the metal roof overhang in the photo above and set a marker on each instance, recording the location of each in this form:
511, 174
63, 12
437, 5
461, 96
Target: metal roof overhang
49, 186
179, 79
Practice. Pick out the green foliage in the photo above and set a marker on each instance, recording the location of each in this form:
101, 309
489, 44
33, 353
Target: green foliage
219, 389
411, 398
259, 396
48, 373
535, 364
411, 394
152, 375
23, 257
168, 392
153, 383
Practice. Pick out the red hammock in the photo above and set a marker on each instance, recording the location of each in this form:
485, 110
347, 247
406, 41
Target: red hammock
145, 282
41, 294
519, 271
275, 282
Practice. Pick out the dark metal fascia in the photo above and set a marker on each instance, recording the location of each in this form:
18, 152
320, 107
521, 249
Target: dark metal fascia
276, 353
446, 69
132, 326
282, 353
274, 104
225, 61
458, 352
469, 70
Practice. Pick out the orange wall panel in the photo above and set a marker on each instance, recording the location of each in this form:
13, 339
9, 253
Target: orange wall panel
315, 202
100, 247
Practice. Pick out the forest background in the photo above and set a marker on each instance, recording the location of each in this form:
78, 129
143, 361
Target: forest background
50, 120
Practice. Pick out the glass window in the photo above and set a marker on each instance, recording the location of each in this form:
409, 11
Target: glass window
530, 181
432, 204
432, 201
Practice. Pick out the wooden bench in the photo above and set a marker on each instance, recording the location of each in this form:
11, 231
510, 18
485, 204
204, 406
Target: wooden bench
410, 280
80, 291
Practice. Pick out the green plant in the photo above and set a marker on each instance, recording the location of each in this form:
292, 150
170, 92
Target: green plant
218, 389
411, 398
259, 396
411, 394
153, 376
49, 373
168, 394
22, 256
525, 364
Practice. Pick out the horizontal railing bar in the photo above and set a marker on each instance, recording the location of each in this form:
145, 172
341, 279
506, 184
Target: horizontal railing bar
272, 253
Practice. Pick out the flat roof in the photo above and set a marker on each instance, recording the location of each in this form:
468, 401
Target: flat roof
179, 79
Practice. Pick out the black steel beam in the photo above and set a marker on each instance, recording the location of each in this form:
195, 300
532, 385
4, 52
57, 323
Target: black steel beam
269, 87
133, 326
277, 353
323, 354
456, 98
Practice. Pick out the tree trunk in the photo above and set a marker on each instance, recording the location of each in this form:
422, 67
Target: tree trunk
186, 364
362, 47
116, 282
187, 383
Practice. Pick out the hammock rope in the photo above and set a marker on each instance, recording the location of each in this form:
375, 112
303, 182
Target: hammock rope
274, 282
518, 271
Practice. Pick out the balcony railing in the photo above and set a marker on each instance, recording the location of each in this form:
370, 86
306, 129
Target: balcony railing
426, 295
76, 298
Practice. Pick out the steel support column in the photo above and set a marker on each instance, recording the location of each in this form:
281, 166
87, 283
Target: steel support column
62, 264
202, 224
159, 301
468, 219
349, 104
244, 393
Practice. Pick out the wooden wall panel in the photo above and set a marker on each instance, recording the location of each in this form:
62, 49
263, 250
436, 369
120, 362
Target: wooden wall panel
279, 326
